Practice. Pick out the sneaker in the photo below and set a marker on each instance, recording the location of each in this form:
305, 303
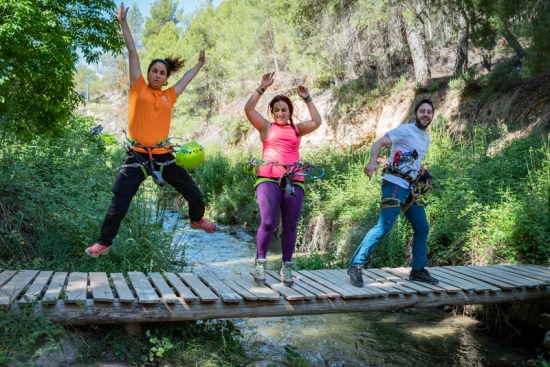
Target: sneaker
97, 249
286, 273
259, 271
205, 225
422, 275
356, 275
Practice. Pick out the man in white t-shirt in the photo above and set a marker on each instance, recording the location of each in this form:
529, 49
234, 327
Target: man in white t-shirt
409, 144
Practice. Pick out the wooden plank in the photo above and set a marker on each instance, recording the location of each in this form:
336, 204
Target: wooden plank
6, 276
76, 288
510, 274
343, 283
204, 293
507, 277
184, 292
403, 282
297, 286
404, 273
262, 292
407, 291
542, 269
220, 288
478, 283
313, 284
117, 313
380, 288
287, 292
390, 287
55, 288
100, 287
124, 293
328, 284
37, 287
13, 289
163, 288
518, 269
483, 277
145, 292
344, 277
233, 284
456, 281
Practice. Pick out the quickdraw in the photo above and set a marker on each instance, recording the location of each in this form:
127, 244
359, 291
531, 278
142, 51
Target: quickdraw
292, 171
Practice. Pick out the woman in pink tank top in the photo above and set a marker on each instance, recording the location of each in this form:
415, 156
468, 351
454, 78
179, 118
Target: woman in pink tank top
280, 143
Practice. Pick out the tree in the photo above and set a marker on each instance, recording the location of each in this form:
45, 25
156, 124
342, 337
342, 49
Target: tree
83, 78
416, 38
162, 12
135, 22
38, 53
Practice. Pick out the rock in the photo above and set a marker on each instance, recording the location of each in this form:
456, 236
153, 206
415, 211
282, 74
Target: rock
267, 363
65, 353
546, 342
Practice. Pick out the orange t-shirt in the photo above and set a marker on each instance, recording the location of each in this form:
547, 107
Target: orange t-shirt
149, 115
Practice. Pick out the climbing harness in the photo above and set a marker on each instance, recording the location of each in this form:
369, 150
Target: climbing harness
419, 185
292, 171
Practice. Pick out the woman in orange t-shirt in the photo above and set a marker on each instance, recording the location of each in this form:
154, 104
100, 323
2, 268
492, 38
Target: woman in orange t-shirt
149, 117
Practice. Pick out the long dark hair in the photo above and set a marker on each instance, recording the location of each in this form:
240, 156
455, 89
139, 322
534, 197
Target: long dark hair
285, 99
173, 64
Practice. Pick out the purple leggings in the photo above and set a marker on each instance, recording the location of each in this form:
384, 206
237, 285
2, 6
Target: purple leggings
270, 200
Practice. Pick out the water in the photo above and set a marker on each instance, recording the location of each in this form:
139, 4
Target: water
414, 337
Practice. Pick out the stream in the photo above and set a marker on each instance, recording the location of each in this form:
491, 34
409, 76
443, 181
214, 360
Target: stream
412, 337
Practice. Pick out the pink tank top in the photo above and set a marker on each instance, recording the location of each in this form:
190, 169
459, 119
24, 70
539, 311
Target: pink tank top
280, 145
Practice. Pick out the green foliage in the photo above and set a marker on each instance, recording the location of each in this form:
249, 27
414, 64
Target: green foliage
177, 344
162, 12
38, 59
294, 358
53, 198
22, 333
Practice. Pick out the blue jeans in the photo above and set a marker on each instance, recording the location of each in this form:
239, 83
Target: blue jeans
415, 214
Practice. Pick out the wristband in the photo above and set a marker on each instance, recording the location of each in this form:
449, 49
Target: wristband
308, 99
260, 90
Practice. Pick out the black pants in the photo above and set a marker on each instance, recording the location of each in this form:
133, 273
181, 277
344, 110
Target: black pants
129, 179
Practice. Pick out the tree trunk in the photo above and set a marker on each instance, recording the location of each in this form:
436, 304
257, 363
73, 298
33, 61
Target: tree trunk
416, 38
384, 65
462, 47
514, 43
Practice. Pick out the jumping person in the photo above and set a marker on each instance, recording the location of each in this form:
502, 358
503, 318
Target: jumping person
149, 117
403, 174
281, 143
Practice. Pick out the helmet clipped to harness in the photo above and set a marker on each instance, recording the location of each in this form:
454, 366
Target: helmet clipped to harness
189, 155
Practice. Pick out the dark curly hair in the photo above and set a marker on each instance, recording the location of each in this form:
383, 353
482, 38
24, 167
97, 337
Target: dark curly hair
173, 64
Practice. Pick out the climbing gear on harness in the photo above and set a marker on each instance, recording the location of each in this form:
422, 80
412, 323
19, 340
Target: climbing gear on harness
189, 155
147, 166
286, 181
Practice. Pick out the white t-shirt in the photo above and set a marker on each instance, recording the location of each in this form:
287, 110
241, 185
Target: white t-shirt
407, 138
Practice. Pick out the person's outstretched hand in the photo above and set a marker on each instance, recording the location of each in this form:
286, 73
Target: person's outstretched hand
202, 57
122, 12
267, 80
303, 92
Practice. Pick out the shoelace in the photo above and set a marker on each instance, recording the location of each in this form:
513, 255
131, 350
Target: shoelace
287, 273
260, 268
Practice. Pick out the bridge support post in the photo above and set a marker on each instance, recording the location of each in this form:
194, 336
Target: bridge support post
132, 328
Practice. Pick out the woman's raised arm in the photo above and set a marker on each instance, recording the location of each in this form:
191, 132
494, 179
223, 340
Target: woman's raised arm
255, 118
135, 67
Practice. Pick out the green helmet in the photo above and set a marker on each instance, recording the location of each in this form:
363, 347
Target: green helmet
189, 155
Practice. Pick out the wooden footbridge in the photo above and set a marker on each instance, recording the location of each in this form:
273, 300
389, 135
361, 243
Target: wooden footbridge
100, 298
